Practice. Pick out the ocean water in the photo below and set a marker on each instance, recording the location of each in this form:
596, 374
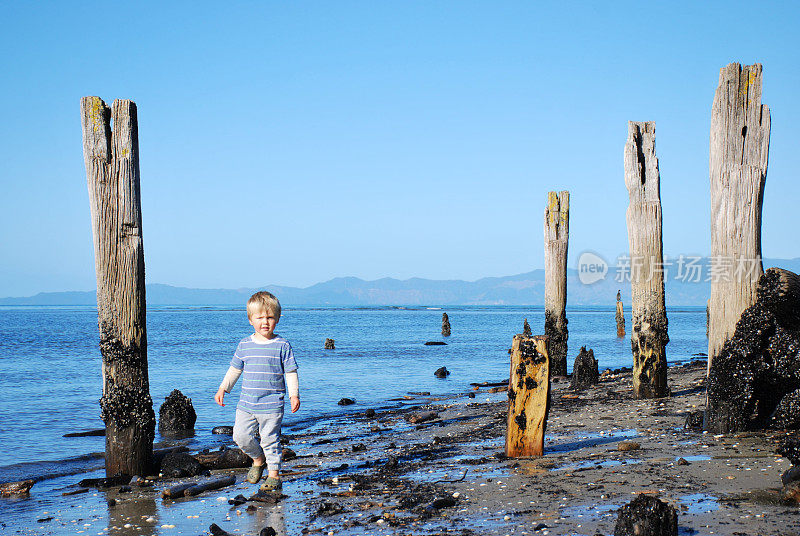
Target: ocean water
50, 365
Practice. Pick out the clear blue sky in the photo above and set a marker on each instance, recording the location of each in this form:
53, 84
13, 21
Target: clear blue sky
291, 142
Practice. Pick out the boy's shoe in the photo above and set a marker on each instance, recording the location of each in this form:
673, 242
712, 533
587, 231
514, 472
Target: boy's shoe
254, 474
272, 484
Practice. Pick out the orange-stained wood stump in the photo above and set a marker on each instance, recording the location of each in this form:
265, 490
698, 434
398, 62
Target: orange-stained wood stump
528, 396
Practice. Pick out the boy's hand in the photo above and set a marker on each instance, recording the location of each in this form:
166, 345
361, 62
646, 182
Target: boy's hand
295, 403
219, 398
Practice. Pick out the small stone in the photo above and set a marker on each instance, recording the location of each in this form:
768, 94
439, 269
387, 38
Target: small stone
111, 502
222, 430
359, 447
125, 489
346, 402
790, 494
682, 461
370, 413
625, 446
330, 344
288, 454
441, 372
443, 502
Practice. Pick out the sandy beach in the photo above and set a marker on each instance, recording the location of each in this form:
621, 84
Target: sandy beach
374, 474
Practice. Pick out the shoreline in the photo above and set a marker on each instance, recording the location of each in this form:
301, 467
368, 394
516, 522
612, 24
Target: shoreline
388, 483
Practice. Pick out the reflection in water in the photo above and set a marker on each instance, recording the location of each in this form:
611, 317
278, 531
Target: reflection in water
133, 517
268, 516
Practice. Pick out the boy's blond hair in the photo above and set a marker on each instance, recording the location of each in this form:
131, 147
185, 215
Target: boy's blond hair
263, 301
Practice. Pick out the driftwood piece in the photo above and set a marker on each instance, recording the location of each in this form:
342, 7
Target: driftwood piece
739, 150
529, 396
620, 317
23, 487
445, 325
214, 483
556, 240
176, 491
755, 380
112, 173
648, 310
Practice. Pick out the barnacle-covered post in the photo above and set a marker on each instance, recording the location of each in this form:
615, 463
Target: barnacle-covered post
556, 239
620, 317
528, 396
739, 150
111, 154
648, 310
445, 325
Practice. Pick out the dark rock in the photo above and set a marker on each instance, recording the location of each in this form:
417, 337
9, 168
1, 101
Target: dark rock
526, 329
180, 464
539, 526
268, 497
288, 454
346, 402
416, 418
176, 414
585, 372
326, 508
111, 502
435, 343
109, 482
694, 420
754, 379
445, 325
791, 474
88, 433
370, 413
330, 344
239, 499
225, 458
420, 393
441, 372
790, 494
646, 516
125, 489
471, 395
790, 448
267, 531
443, 502
682, 461
222, 430
216, 530
359, 447
44, 519
391, 464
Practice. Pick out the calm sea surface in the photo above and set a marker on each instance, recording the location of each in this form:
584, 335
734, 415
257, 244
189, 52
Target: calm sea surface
50, 364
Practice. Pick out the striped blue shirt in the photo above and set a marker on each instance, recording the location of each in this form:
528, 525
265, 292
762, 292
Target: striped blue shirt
263, 365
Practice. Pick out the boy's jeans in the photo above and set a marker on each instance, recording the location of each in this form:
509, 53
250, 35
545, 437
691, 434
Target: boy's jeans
268, 426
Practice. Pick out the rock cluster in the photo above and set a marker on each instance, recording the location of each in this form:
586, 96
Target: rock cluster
176, 414
585, 372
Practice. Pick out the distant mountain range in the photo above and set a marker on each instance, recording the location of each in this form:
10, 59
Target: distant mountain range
521, 289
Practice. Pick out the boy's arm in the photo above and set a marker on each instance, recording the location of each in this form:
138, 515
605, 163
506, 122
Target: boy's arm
227, 384
293, 388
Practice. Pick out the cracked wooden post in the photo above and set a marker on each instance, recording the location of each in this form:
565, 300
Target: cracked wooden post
556, 238
528, 396
740, 129
445, 325
620, 317
648, 311
112, 174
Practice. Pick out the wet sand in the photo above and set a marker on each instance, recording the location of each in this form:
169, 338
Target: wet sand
395, 471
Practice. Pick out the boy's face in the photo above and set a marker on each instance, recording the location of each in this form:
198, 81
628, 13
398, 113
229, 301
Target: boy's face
264, 323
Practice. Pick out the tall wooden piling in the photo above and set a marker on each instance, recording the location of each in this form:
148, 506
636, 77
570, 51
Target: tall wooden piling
111, 155
445, 325
620, 317
739, 150
528, 396
648, 311
556, 240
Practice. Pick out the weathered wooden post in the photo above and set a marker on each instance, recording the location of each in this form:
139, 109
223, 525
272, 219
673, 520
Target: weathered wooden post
528, 396
740, 128
526, 329
445, 325
620, 317
112, 174
648, 310
556, 238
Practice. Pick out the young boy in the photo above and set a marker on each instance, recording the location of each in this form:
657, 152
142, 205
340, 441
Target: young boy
268, 369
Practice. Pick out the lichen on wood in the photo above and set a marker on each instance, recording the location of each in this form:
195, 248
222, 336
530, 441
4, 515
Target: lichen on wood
739, 151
